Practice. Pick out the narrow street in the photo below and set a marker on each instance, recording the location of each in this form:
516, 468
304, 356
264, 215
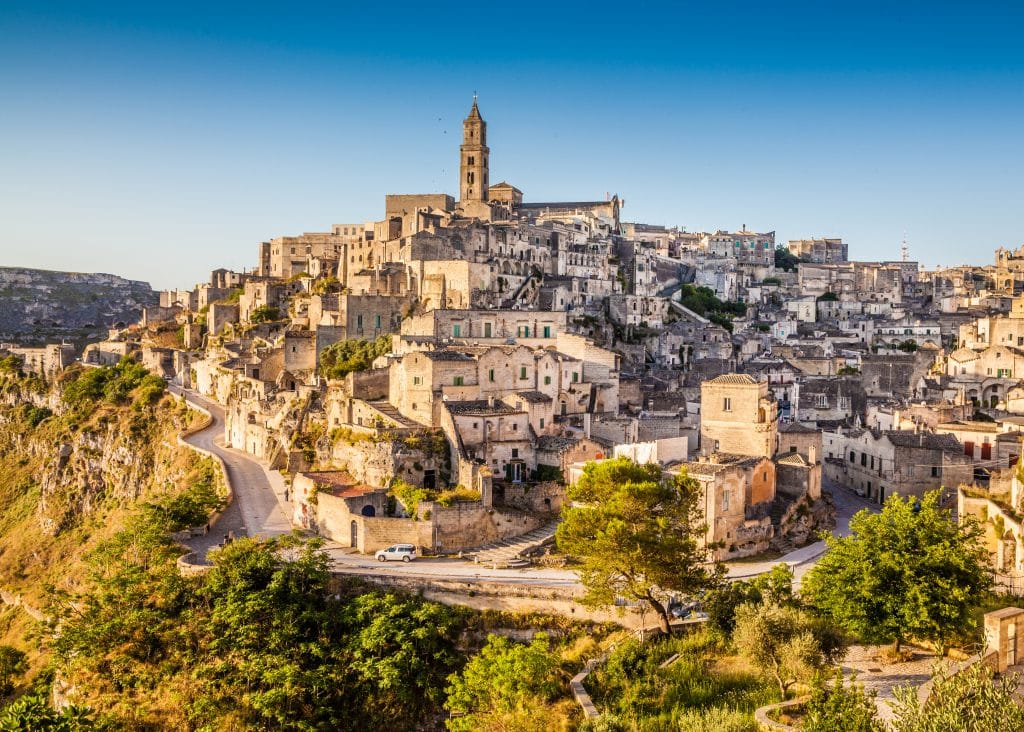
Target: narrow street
257, 510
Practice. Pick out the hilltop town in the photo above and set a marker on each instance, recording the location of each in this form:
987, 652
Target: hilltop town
437, 376
569, 420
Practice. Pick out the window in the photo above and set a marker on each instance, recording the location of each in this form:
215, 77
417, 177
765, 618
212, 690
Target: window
515, 428
471, 160
417, 380
522, 372
377, 319
459, 380
547, 380
542, 423
575, 376
547, 331
456, 330
863, 459
487, 330
936, 471
792, 448
821, 401
359, 322
725, 500
515, 453
727, 404
490, 374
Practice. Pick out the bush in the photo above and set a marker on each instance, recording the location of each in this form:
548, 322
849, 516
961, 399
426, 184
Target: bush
264, 314
840, 707
340, 359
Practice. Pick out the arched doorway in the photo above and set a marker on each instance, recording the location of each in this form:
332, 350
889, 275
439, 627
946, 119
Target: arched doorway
354, 535
368, 511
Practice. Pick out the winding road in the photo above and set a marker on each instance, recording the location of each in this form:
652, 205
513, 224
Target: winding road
259, 509
258, 505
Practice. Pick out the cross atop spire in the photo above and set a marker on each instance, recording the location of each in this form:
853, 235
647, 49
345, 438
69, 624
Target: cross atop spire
474, 113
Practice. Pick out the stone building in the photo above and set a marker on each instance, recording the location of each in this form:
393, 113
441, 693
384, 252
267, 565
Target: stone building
737, 493
879, 464
819, 251
738, 416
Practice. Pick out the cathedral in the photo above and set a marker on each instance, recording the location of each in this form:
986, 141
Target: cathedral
478, 199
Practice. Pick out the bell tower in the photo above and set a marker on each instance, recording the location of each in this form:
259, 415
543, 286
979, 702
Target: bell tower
474, 164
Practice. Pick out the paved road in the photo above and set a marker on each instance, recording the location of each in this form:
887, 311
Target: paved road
800, 560
257, 510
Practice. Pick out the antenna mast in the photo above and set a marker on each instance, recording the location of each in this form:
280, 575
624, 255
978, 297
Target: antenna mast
903, 249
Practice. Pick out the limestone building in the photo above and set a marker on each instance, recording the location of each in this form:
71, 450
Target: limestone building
738, 416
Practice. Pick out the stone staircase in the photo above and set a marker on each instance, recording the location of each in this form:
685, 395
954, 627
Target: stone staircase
507, 553
388, 410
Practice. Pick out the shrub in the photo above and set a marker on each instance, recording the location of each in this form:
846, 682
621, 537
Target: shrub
840, 707
340, 359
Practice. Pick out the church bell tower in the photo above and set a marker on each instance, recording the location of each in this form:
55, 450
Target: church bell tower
474, 165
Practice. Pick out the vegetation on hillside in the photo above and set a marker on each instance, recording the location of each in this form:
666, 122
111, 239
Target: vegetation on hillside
341, 359
702, 300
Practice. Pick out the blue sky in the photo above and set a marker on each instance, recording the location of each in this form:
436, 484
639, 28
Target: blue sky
162, 142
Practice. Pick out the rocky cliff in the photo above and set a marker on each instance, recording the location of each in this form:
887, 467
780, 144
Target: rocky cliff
71, 468
38, 306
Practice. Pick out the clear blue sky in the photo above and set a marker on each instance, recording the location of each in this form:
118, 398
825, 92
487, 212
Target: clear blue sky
160, 141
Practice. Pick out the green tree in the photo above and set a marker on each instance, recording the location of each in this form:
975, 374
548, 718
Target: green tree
12, 666
784, 643
775, 586
507, 685
970, 701
907, 572
639, 534
264, 314
785, 259
340, 359
840, 706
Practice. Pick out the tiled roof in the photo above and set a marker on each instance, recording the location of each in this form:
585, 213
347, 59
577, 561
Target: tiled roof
795, 459
927, 440
534, 397
481, 407
797, 428
554, 443
445, 355
733, 379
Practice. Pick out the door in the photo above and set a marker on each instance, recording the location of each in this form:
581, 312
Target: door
986, 451
354, 535
969, 449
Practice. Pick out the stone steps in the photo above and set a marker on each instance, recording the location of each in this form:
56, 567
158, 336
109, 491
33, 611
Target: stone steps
389, 411
507, 553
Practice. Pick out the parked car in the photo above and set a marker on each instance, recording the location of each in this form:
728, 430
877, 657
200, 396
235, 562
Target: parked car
404, 552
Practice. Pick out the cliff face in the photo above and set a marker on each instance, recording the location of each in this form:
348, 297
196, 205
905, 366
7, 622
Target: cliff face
38, 305
68, 470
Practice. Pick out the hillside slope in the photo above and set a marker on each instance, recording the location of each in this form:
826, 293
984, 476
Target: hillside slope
37, 306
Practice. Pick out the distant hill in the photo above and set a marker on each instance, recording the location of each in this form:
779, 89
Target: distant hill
39, 306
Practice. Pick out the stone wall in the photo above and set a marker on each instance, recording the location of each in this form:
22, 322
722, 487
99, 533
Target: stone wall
465, 525
543, 497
